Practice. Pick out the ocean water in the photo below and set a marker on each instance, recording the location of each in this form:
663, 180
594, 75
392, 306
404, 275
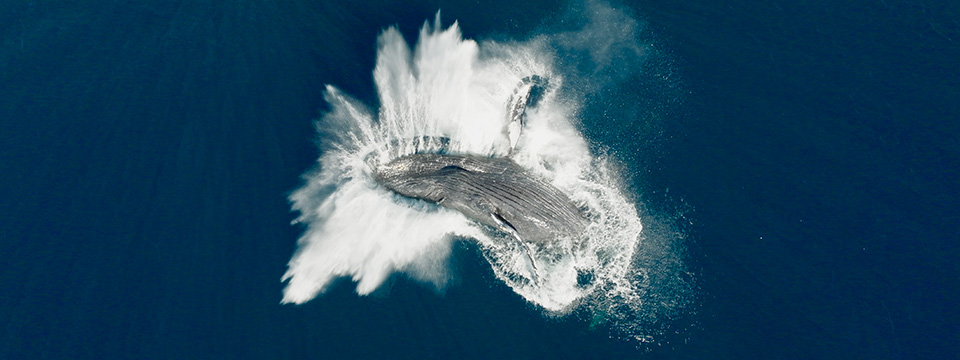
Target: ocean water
779, 179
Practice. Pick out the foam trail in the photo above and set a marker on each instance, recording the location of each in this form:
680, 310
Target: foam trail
450, 94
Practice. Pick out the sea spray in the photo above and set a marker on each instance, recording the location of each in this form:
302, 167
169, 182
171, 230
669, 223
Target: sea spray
450, 94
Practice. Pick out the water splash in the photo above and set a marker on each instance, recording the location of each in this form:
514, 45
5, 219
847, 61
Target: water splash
449, 94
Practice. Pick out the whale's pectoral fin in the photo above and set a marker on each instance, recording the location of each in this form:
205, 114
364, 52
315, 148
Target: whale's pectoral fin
524, 247
528, 93
500, 220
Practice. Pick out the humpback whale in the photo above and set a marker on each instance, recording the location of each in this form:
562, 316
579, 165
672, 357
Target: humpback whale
494, 191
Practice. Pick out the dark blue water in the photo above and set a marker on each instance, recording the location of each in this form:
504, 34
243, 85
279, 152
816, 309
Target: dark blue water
809, 152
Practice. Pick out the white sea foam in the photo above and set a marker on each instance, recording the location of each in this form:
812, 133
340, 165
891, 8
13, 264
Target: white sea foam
457, 89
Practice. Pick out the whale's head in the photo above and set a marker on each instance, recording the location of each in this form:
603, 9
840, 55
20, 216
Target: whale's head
419, 176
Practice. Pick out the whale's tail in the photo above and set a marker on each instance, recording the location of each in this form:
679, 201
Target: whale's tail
527, 94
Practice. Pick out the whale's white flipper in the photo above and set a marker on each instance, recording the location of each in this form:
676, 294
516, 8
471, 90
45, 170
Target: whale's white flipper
513, 133
530, 264
527, 93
